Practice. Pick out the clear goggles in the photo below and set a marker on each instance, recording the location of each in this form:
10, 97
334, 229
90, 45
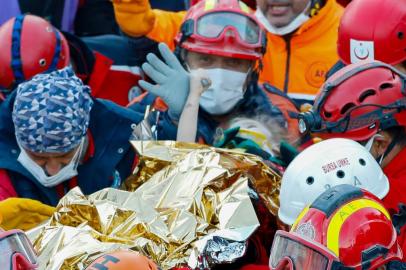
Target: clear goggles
16, 251
292, 252
213, 26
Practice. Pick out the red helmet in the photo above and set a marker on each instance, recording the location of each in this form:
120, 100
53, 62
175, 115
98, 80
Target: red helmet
373, 29
222, 27
357, 102
122, 260
30, 46
344, 228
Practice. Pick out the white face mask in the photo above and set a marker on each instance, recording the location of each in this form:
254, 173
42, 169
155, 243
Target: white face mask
369, 144
284, 30
67, 172
225, 92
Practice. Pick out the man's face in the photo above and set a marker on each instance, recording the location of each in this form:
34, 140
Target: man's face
281, 12
52, 163
206, 61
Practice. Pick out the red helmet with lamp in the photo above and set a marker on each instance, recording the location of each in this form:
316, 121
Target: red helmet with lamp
357, 102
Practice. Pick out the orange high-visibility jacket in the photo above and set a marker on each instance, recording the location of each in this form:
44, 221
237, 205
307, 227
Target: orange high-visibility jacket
296, 64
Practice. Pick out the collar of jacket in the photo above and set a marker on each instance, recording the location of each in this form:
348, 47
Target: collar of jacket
318, 24
324, 19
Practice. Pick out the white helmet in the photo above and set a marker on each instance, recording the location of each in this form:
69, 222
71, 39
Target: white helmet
324, 165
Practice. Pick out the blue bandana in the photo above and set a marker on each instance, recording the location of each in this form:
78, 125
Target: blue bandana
51, 112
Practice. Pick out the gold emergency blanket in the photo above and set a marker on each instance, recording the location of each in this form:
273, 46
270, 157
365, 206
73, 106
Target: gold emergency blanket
187, 204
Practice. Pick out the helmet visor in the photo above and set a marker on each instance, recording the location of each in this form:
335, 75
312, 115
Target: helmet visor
12, 243
215, 25
290, 252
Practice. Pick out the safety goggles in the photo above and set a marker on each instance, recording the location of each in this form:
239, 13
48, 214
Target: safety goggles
292, 252
384, 115
16, 251
214, 26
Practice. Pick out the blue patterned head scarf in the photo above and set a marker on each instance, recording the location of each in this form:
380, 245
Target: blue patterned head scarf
51, 112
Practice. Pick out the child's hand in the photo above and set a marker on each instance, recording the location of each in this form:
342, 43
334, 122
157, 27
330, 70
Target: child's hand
199, 81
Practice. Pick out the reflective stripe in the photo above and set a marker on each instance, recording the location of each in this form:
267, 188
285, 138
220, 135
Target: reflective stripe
131, 69
57, 53
302, 96
301, 215
209, 5
16, 63
337, 221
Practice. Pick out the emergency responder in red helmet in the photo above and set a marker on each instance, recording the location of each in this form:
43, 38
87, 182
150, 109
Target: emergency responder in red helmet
301, 34
344, 228
366, 102
373, 30
30, 45
227, 42
122, 260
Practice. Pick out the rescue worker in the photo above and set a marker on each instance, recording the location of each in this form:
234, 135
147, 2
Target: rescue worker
54, 50
228, 46
301, 37
366, 102
55, 136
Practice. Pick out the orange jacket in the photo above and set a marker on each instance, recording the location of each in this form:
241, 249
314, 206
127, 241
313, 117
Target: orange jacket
297, 66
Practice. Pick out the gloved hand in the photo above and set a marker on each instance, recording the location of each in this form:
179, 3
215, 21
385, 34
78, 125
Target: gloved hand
172, 80
135, 17
23, 214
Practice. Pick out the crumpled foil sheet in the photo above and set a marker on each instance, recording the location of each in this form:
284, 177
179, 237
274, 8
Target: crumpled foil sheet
188, 204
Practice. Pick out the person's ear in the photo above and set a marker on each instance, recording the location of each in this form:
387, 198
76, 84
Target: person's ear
380, 144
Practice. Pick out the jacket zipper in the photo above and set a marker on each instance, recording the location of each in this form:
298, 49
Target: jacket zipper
287, 38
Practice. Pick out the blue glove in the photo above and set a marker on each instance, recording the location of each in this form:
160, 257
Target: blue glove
172, 80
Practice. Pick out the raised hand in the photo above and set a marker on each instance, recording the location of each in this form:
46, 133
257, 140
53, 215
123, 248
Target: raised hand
172, 80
